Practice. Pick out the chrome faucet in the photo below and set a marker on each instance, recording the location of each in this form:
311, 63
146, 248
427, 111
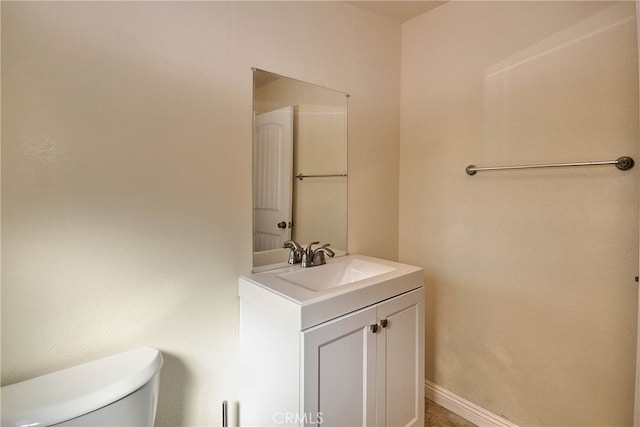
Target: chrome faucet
313, 257
295, 256
307, 257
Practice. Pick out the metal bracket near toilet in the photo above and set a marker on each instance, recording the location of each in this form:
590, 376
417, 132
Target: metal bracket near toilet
225, 416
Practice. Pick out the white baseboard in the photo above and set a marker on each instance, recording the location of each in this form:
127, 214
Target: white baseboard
459, 406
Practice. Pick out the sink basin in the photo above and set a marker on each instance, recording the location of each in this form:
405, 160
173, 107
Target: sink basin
312, 295
335, 274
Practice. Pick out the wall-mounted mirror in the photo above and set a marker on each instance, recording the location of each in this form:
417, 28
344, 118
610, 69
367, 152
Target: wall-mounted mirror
299, 167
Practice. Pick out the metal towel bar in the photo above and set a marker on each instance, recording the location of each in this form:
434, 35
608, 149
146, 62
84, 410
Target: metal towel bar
623, 163
301, 176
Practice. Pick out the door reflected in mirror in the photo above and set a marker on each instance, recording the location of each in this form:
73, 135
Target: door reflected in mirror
299, 167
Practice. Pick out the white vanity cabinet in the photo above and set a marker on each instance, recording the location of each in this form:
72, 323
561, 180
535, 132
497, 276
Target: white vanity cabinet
303, 365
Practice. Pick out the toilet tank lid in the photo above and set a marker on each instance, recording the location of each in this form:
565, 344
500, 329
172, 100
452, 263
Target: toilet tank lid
78, 390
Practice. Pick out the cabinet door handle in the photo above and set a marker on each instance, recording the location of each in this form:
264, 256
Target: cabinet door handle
374, 328
384, 323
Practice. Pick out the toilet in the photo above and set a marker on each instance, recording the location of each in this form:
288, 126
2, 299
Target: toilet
120, 390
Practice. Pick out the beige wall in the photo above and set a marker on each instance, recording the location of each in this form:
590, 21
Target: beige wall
126, 174
531, 299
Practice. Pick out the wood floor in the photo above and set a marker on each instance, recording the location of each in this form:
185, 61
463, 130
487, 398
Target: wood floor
437, 416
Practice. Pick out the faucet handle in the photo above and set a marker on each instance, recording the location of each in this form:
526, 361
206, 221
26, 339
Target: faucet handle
319, 255
295, 255
325, 250
291, 244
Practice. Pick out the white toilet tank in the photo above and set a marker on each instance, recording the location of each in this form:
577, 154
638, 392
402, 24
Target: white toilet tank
120, 390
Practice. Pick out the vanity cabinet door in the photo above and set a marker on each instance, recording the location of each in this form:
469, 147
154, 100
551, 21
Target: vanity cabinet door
338, 383
400, 361
366, 368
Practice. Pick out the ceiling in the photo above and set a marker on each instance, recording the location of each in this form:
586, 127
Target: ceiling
398, 11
